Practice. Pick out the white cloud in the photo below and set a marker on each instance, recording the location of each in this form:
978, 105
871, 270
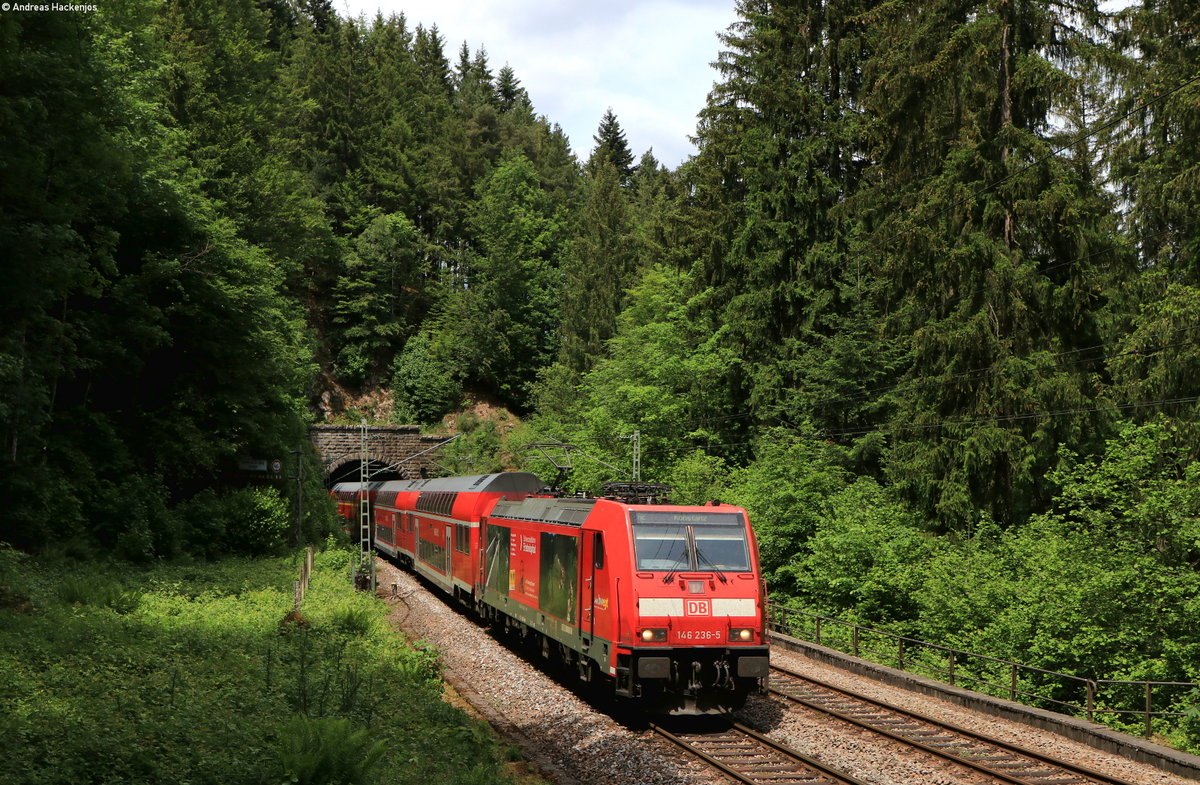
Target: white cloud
647, 60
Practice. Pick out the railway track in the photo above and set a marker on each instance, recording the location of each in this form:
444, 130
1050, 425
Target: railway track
1005, 762
752, 758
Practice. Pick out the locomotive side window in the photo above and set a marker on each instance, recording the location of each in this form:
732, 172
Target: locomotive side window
598, 551
661, 547
722, 547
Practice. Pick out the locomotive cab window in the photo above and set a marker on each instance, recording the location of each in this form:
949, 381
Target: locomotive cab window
671, 541
722, 547
661, 547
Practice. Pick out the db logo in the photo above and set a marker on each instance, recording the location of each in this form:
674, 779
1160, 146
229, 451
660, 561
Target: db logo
697, 608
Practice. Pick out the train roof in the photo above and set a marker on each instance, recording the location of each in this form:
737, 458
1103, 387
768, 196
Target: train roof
501, 482
569, 511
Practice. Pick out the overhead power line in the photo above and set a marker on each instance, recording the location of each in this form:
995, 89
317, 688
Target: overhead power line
888, 428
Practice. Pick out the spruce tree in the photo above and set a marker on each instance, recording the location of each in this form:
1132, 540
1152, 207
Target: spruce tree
509, 90
601, 268
655, 204
390, 166
781, 150
442, 194
478, 108
1155, 160
612, 147
985, 237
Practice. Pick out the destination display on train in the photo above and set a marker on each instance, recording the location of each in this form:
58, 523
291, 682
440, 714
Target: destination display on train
693, 518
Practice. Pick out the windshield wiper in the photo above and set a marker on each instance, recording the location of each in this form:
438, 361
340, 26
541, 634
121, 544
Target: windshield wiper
701, 555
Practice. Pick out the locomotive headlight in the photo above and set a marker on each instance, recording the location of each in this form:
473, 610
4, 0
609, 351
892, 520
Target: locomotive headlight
744, 634
654, 635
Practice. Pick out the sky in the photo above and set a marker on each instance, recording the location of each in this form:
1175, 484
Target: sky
647, 60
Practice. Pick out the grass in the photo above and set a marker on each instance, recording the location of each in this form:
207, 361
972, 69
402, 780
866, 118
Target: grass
185, 674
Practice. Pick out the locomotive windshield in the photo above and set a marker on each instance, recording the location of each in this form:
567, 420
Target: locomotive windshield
662, 547
675, 541
722, 548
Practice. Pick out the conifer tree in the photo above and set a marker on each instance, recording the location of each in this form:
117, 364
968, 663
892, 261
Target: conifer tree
320, 14
380, 299
478, 108
442, 194
985, 238
654, 199
780, 152
611, 146
1155, 161
602, 266
509, 90
390, 167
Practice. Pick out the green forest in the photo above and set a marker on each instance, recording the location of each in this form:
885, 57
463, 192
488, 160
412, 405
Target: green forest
924, 300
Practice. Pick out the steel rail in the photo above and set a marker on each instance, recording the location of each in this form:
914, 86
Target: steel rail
771, 759
989, 765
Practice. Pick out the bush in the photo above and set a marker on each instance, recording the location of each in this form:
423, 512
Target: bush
98, 592
355, 620
425, 384
249, 521
327, 751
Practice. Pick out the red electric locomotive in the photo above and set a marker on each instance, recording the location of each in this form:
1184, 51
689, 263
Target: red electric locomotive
665, 601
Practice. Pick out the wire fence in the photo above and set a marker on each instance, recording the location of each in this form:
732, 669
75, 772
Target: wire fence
1125, 704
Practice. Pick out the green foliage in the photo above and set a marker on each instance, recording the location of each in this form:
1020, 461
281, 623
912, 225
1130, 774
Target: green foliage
379, 299
835, 541
355, 620
966, 196
75, 590
477, 450
511, 306
601, 267
171, 347
1100, 586
1158, 358
664, 377
327, 751
13, 580
200, 677
426, 380
697, 478
249, 521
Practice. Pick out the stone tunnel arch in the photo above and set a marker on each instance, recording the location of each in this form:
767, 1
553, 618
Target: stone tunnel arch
403, 448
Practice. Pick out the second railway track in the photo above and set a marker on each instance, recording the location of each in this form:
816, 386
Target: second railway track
1005, 762
751, 758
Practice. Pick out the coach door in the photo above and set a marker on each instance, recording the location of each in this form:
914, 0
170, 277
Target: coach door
593, 559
